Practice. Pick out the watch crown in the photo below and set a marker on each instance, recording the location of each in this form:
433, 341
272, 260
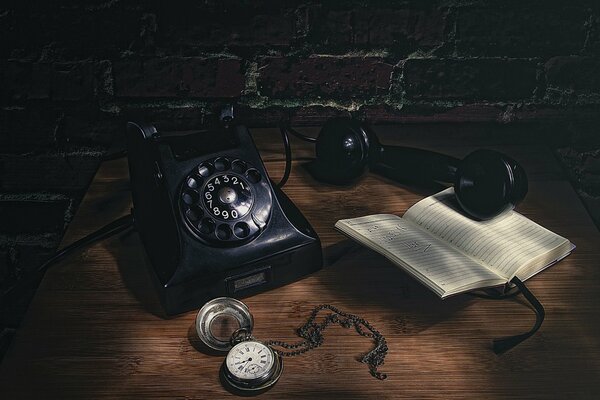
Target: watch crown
240, 335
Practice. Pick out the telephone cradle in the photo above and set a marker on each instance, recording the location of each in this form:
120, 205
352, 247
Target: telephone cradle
211, 221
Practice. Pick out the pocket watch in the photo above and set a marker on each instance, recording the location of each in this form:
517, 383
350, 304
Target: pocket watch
252, 366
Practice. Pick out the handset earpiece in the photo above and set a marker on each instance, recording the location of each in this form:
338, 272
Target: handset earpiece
486, 182
345, 148
342, 151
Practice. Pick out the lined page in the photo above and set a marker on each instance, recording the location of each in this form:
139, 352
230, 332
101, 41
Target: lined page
431, 261
506, 244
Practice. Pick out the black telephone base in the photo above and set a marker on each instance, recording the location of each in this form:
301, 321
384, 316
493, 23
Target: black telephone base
211, 221
243, 281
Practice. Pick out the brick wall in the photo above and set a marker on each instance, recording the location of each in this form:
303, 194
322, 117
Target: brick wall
71, 74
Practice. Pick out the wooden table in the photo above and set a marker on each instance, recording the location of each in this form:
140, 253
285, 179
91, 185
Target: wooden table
95, 329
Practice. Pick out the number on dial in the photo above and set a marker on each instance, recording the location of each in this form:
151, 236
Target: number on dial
227, 197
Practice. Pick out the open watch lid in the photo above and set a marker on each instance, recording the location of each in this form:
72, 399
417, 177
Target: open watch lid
219, 318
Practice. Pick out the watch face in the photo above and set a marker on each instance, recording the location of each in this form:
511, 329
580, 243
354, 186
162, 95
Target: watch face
250, 361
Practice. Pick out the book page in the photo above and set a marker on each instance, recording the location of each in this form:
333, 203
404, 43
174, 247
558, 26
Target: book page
431, 261
510, 244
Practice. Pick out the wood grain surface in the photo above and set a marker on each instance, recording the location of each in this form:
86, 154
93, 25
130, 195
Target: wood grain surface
95, 329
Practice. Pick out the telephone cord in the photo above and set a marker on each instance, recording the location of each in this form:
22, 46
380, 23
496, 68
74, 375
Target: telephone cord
118, 225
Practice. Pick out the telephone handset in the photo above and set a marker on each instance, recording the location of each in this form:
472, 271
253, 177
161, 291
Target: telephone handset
211, 221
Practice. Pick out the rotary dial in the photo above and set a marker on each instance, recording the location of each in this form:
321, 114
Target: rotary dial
225, 201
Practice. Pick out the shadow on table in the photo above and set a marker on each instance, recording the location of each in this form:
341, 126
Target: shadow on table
198, 345
365, 279
132, 262
354, 277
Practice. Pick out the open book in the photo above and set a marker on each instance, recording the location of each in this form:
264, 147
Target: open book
450, 253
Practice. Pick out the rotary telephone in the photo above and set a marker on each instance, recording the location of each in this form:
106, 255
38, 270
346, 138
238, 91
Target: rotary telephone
214, 225
210, 219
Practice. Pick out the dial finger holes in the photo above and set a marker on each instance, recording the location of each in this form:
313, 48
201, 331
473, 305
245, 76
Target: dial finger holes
241, 230
217, 198
239, 166
253, 175
206, 226
221, 164
194, 182
190, 197
205, 169
223, 232
194, 213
